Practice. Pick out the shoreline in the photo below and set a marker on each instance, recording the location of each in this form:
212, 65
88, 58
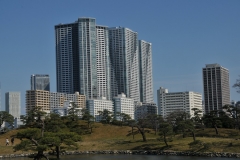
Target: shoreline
137, 152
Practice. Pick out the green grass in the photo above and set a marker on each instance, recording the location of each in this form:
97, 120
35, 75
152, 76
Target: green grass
110, 137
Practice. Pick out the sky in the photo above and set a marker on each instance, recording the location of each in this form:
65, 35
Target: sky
185, 35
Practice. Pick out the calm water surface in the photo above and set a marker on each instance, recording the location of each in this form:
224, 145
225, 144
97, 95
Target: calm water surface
132, 157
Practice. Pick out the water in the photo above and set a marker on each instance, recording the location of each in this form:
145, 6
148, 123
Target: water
130, 157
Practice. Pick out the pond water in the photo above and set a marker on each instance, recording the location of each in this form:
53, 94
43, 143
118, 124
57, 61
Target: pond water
131, 157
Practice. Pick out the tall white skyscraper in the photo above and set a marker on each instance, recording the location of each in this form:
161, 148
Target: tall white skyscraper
124, 55
13, 103
216, 87
146, 78
103, 63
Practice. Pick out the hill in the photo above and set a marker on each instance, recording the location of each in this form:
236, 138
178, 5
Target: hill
110, 137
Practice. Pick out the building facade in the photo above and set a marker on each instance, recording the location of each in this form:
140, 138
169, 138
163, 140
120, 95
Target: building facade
122, 104
57, 100
100, 104
40, 82
178, 101
145, 66
216, 87
39, 99
98, 61
123, 47
144, 109
13, 103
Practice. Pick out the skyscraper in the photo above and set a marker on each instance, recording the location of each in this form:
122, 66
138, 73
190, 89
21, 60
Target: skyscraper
98, 61
123, 47
146, 82
76, 57
12, 102
40, 82
216, 87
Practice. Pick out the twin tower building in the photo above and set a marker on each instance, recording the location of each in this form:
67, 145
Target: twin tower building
98, 61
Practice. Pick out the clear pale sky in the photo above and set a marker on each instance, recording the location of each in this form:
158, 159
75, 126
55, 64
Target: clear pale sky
185, 35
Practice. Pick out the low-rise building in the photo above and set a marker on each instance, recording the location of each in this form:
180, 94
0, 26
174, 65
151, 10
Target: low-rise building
100, 104
178, 101
122, 104
144, 109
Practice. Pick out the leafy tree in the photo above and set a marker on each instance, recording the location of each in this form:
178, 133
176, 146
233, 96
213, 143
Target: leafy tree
154, 121
6, 117
57, 132
212, 120
89, 118
234, 113
106, 116
166, 131
237, 85
124, 118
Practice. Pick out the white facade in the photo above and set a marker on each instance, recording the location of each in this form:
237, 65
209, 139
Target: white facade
146, 78
178, 101
13, 103
100, 104
122, 104
103, 63
59, 100
124, 55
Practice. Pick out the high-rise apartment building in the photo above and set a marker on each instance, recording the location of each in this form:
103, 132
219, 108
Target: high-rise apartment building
216, 87
178, 101
98, 61
13, 103
145, 65
40, 82
123, 47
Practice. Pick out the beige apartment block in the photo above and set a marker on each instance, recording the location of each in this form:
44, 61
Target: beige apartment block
37, 98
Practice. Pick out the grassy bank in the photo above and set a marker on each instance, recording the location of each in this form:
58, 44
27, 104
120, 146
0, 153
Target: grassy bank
110, 137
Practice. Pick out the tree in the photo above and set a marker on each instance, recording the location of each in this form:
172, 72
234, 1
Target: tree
154, 121
6, 117
233, 112
237, 85
166, 131
57, 131
212, 120
106, 116
89, 118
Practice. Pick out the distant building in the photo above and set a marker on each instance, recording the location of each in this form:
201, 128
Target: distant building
57, 99
100, 104
13, 103
216, 87
63, 111
144, 109
122, 104
17, 122
48, 101
37, 98
40, 82
178, 101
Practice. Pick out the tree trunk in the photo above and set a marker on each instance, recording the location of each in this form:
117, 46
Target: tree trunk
194, 138
142, 133
216, 129
58, 152
132, 132
165, 140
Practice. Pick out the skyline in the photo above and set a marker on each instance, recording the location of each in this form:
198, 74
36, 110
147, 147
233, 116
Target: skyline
185, 36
